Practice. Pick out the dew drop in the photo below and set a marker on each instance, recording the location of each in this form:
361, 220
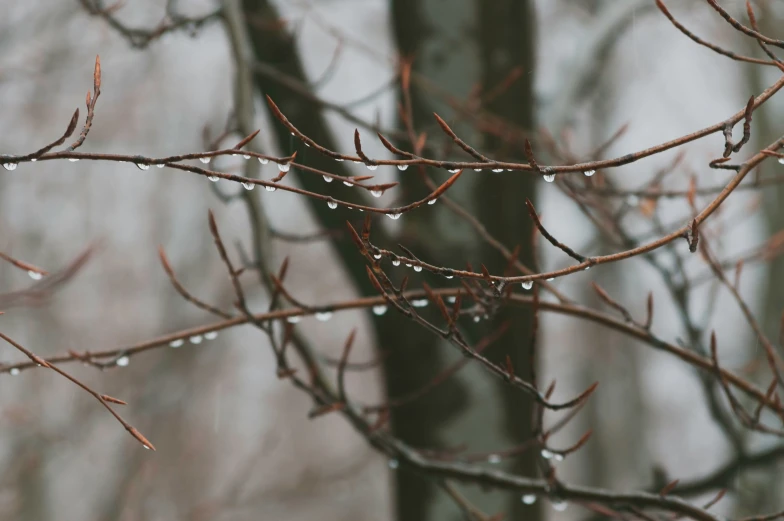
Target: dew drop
451, 299
245, 156
559, 505
589, 173
477, 319
161, 165
551, 279
494, 458
195, 339
123, 361
449, 276
477, 169
497, 170
377, 256
408, 265
263, 160
270, 188
379, 310
432, 201
71, 159
396, 262
284, 167
339, 160
546, 454
402, 168
357, 162
142, 166
248, 186
213, 178
35, 275
327, 179
323, 316
211, 335
549, 178
419, 302
454, 170
33, 160
294, 319
204, 160
376, 193
393, 464
528, 284
347, 183
145, 446
417, 268
781, 160
14, 371
9, 166
529, 499
558, 457
332, 204
394, 216
371, 167
176, 343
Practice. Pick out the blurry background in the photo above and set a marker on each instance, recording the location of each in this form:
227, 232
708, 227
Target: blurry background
233, 441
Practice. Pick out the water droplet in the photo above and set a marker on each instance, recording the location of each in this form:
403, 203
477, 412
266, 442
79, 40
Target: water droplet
393, 464
379, 310
35, 275
396, 262
323, 316
371, 167
327, 179
284, 167
549, 178
494, 458
142, 166
357, 162
270, 188
449, 276
294, 319
376, 193
204, 160
589, 173
551, 279
176, 343
145, 446
292, 133
497, 170
477, 319
587, 268
419, 302
248, 186
211, 335
546, 454
213, 178
417, 268
559, 505
71, 159
451, 299
528, 499
632, 200
402, 168
408, 265
263, 160
161, 165
332, 204
454, 170
245, 156
394, 216
432, 201
528, 284
377, 256
477, 169
33, 160
14, 371
339, 160
123, 361
781, 160
9, 166
558, 457
195, 339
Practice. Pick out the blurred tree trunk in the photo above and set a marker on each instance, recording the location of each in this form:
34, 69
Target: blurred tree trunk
480, 42
415, 353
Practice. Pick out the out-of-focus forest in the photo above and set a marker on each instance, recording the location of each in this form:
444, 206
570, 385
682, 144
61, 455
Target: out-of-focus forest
524, 82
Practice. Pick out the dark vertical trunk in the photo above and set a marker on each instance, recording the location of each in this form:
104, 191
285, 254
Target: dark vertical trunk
416, 355
507, 40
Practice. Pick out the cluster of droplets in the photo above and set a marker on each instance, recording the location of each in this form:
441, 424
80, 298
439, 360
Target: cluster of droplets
194, 339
